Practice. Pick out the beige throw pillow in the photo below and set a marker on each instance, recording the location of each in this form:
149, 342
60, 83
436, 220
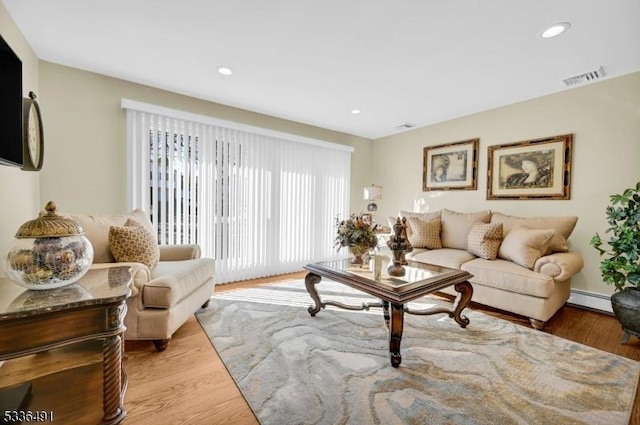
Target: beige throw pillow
563, 226
484, 240
456, 227
525, 246
424, 234
134, 243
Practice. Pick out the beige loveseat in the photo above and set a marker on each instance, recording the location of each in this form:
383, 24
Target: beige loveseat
167, 290
521, 265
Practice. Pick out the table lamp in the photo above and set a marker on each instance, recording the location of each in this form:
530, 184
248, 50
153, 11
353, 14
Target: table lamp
372, 193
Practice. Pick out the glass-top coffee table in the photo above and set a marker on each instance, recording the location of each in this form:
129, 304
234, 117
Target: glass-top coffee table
394, 292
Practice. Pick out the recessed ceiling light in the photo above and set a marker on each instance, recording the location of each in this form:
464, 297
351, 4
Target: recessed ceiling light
355, 111
555, 30
224, 70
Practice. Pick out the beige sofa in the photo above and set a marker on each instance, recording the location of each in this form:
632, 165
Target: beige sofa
173, 284
521, 265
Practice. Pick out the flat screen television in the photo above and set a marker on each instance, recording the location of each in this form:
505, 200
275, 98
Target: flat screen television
10, 106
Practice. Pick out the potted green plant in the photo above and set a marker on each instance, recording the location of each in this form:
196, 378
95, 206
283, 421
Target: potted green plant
356, 234
620, 265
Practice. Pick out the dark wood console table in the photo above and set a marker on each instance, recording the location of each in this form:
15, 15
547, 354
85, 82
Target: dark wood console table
92, 308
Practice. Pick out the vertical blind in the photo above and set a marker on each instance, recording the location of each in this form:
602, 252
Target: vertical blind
258, 204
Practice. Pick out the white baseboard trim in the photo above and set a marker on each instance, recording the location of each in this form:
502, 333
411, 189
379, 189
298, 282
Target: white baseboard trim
590, 300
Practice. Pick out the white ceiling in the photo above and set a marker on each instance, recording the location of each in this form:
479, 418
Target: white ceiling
312, 61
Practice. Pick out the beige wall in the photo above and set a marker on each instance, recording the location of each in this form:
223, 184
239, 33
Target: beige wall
19, 190
85, 162
605, 120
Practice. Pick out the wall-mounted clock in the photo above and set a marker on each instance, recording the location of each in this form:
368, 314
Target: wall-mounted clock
33, 136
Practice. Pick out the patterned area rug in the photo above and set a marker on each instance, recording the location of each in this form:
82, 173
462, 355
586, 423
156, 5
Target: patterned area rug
334, 368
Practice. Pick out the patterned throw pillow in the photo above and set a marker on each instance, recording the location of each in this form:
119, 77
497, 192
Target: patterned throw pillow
428, 216
484, 240
133, 243
424, 234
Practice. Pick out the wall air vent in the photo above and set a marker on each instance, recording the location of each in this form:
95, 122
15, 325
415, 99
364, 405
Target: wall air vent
587, 77
405, 125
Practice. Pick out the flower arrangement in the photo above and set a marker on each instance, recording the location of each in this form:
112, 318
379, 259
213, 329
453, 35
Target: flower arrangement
355, 233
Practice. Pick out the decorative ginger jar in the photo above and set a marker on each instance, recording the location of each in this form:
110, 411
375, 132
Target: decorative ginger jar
49, 252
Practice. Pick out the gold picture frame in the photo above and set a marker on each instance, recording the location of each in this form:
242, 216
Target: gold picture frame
533, 169
453, 166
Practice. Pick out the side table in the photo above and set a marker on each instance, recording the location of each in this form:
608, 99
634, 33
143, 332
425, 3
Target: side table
92, 308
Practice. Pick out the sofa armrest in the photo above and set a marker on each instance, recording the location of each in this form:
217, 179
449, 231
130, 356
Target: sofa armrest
559, 265
140, 273
179, 252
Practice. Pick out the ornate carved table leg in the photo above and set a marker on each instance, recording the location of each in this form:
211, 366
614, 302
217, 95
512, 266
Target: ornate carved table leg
123, 375
462, 300
310, 282
395, 333
385, 312
112, 380
114, 376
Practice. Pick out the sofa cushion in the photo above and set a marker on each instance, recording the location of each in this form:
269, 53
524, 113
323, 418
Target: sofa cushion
509, 276
424, 234
96, 228
484, 240
445, 257
563, 226
172, 281
133, 243
456, 227
407, 214
524, 246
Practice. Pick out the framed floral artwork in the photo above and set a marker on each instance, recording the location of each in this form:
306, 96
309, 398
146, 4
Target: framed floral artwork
533, 169
452, 166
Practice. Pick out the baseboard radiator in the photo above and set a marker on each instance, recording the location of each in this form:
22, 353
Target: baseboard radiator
590, 301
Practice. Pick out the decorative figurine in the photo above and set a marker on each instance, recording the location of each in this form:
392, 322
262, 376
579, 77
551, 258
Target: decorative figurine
398, 244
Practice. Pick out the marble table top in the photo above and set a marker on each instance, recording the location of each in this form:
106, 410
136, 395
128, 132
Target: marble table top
97, 286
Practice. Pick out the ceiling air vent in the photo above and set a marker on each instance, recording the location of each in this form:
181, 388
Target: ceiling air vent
587, 77
406, 125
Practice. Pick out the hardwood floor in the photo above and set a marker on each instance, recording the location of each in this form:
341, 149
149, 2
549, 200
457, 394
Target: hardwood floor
188, 384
